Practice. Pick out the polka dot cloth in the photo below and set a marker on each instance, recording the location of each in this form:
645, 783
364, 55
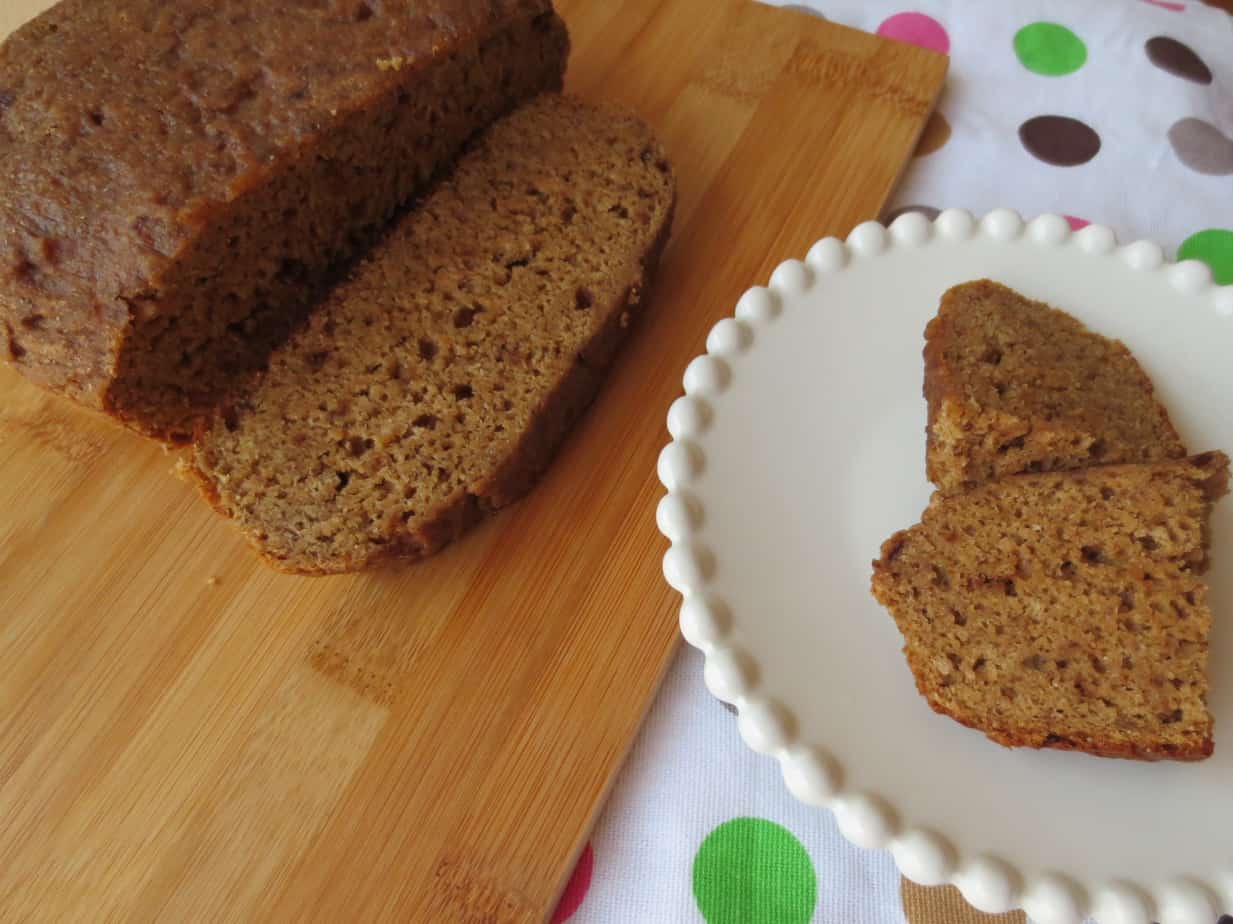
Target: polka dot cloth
803, 9
927, 210
1059, 140
916, 29
1214, 246
946, 906
936, 134
1202, 147
1178, 59
1117, 113
1049, 49
753, 871
576, 888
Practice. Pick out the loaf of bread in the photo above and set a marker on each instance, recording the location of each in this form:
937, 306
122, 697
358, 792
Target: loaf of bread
1064, 610
175, 176
1014, 385
435, 384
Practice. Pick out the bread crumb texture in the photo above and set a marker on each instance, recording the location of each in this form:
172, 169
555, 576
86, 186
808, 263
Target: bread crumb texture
1014, 386
436, 382
1064, 609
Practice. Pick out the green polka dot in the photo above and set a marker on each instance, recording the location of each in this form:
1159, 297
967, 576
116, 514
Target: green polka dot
753, 871
1049, 49
1215, 248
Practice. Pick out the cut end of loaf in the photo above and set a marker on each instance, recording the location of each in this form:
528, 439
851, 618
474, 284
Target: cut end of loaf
436, 383
203, 193
1014, 385
1063, 610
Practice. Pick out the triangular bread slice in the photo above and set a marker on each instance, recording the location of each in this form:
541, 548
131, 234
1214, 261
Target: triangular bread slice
435, 384
1014, 386
1064, 609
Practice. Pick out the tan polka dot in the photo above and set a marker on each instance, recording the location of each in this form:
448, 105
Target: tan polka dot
936, 134
944, 905
1202, 147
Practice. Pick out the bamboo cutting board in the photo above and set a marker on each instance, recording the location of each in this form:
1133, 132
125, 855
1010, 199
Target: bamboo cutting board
185, 735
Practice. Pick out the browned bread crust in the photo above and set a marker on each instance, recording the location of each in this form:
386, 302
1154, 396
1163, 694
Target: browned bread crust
1063, 610
1013, 385
174, 177
436, 383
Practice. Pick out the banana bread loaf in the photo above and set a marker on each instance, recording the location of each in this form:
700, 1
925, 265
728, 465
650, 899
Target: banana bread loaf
174, 176
1063, 610
1014, 385
435, 383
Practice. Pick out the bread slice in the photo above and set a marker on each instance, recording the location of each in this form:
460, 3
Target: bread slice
1014, 385
435, 384
1063, 610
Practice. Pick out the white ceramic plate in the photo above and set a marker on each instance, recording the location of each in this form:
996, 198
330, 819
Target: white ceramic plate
799, 447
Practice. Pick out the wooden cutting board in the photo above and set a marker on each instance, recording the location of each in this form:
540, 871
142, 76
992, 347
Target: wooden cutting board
185, 735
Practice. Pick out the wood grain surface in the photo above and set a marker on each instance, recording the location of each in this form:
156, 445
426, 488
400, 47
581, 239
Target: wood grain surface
185, 735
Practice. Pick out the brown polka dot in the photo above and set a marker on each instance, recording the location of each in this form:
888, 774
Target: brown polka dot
1202, 147
944, 905
1059, 140
801, 8
927, 210
1180, 60
936, 134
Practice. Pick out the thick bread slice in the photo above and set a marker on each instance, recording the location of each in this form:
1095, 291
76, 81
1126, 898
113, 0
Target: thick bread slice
1063, 609
436, 383
1014, 385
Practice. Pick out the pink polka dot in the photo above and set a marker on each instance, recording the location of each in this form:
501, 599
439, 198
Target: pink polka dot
1076, 223
916, 29
576, 890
